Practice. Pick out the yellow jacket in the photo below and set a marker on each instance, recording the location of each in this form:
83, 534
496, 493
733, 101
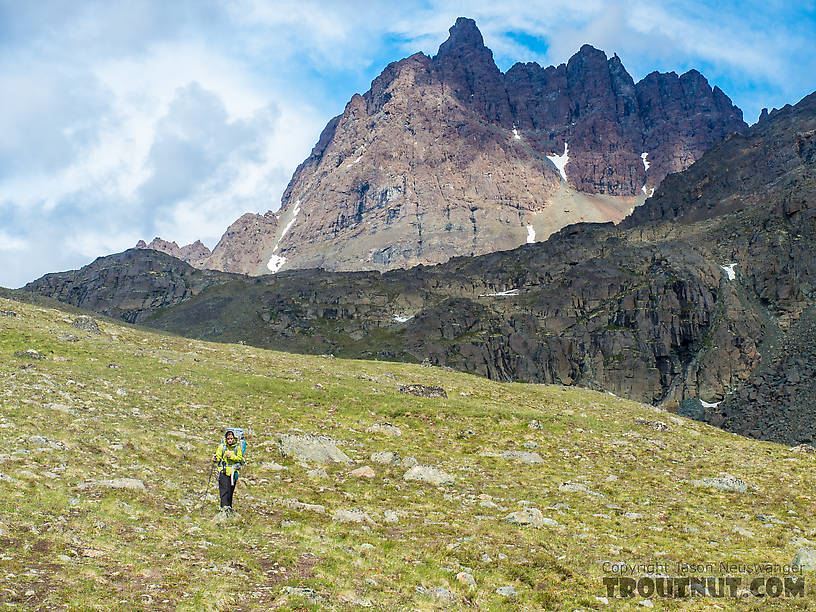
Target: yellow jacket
229, 457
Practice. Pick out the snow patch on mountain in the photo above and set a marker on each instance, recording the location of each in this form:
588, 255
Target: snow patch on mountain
508, 293
561, 161
276, 262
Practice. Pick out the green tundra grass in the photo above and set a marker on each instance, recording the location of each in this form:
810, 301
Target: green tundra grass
128, 403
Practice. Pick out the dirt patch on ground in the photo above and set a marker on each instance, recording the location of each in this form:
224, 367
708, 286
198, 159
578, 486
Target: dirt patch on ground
35, 584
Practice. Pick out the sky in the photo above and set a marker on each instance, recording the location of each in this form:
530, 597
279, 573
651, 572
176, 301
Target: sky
122, 121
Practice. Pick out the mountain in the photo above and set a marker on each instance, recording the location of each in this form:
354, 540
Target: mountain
448, 156
671, 305
107, 502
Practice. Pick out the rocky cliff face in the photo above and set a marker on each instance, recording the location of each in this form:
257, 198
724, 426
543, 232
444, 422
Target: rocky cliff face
447, 156
195, 254
245, 244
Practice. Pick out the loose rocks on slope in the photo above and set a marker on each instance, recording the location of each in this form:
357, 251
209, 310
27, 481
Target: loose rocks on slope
423, 391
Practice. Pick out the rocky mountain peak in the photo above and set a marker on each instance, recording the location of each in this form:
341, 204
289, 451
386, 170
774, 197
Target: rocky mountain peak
464, 35
447, 156
464, 64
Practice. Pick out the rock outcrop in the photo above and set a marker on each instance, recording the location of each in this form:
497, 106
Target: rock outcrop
245, 244
130, 285
195, 254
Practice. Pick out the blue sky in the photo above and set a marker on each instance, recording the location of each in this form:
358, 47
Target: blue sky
122, 121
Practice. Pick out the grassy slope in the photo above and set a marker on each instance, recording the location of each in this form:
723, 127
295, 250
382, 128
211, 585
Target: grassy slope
112, 549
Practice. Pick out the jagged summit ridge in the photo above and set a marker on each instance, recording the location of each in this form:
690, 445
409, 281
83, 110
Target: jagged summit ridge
195, 254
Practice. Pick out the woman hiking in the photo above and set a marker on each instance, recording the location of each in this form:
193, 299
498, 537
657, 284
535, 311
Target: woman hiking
230, 456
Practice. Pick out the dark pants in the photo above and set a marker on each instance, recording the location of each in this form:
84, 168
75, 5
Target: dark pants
225, 489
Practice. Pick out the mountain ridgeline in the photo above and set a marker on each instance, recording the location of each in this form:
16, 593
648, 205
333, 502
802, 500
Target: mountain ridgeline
705, 293
446, 156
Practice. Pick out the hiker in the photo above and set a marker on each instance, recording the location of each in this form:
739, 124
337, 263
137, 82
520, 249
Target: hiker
230, 456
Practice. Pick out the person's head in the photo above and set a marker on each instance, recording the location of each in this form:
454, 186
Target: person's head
230, 437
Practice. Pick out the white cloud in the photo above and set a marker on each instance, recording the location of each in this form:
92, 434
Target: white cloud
9, 242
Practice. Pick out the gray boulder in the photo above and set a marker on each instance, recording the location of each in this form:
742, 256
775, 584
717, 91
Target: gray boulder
86, 324
132, 484
577, 487
527, 457
408, 462
805, 559
385, 428
351, 516
385, 458
724, 482
423, 391
429, 474
530, 517
443, 595
692, 408
307, 447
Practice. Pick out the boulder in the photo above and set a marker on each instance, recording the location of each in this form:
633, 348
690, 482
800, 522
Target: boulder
530, 517
351, 516
423, 391
86, 324
467, 579
443, 595
577, 487
310, 448
805, 559
362, 472
132, 484
724, 482
527, 457
692, 408
385, 428
429, 474
386, 458
408, 462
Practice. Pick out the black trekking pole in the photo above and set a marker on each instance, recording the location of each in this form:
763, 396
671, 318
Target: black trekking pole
209, 480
